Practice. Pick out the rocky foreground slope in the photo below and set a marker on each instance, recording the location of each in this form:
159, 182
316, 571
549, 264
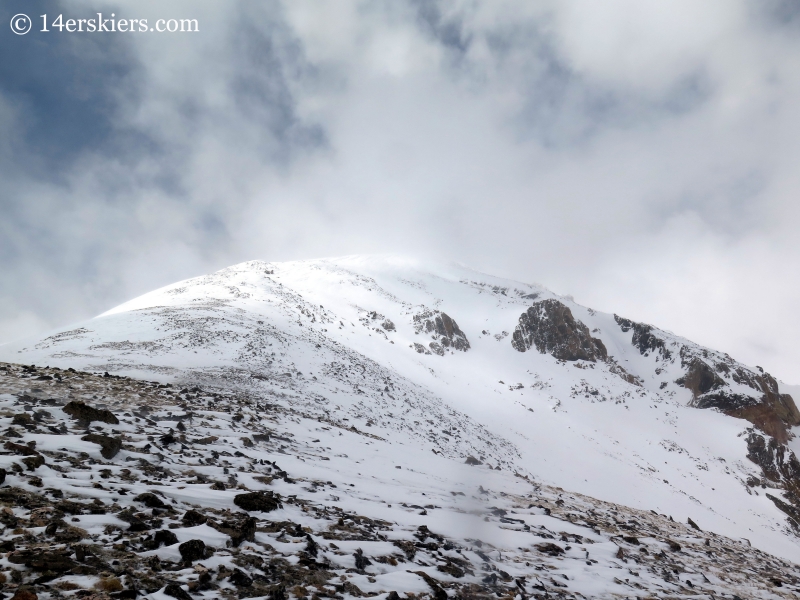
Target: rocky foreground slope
118, 488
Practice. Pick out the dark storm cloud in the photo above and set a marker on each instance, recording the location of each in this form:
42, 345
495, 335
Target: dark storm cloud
63, 90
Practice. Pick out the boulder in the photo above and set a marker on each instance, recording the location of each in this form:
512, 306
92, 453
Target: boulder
257, 501
110, 446
83, 412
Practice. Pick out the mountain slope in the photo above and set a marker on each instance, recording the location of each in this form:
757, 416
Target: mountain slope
447, 363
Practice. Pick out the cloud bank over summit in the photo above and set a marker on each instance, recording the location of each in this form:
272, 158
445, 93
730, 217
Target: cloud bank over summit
638, 156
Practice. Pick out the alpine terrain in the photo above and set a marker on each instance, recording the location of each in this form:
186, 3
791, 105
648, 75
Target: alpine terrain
380, 427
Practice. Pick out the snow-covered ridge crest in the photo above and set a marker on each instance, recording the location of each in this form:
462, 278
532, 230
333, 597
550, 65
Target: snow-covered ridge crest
348, 340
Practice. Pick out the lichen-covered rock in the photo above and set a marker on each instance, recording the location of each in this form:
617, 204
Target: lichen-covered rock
549, 326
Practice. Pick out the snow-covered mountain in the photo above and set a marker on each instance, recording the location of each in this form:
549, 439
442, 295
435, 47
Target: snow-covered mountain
429, 386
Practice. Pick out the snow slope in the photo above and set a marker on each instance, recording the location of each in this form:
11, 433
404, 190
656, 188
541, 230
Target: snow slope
338, 338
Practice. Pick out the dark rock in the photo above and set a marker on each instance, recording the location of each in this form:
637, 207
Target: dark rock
110, 446
550, 548
643, 338
192, 518
240, 530
23, 419
83, 412
20, 449
52, 527
176, 591
700, 378
438, 592
3, 474
693, 525
218, 485
257, 501
192, 550
471, 460
166, 537
42, 560
240, 579
150, 500
550, 327
362, 562
33, 462
792, 511
24, 593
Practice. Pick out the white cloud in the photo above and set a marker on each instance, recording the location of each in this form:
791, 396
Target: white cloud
641, 156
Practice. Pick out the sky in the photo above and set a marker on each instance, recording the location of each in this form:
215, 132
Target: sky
641, 156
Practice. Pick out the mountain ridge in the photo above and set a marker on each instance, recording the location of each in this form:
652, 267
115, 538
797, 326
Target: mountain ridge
373, 337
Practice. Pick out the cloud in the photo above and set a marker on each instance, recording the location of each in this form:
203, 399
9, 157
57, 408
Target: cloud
637, 155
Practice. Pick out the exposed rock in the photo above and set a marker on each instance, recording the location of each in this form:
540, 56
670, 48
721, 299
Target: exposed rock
240, 579
192, 517
362, 562
443, 329
110, 445
24, 593
700, 379
643, 337
33, 462
192, 550
550, 548
20, 449
166, 537
240, 530
550, 327
176, 591
257, 501
84, 412
150, 500
766, 408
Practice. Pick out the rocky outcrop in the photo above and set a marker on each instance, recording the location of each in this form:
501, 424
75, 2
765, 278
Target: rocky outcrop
643, 337
443, 329
700, 379
712, 377
765, 407
780, 468
549, 326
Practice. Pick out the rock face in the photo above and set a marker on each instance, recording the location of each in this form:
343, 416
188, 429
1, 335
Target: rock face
718, 381
550, 327
643, 337
443, 329
780, 467
765, 407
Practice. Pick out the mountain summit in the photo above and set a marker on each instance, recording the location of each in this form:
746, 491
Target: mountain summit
427, 384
